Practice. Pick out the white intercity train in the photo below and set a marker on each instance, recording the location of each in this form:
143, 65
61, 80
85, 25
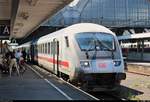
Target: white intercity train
136, 47
85, 52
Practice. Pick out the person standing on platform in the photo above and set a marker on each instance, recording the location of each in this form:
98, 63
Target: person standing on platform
18, 55
13, 63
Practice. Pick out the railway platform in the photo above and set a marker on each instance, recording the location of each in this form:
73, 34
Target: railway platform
32, 85
139, 67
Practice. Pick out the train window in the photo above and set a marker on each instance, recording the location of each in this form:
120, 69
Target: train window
67, 41
43, 48
40, 48
49, 48
54, 47
46, 48
129, 46
135, 46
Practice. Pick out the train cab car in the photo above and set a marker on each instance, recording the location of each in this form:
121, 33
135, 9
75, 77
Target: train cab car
86, 53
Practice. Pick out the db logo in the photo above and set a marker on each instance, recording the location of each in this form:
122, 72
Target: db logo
102, 65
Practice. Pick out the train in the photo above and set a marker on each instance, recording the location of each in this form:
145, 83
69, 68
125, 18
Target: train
136, 47
84, 53
134, 51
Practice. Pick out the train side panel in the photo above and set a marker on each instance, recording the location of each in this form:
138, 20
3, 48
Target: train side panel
66, 57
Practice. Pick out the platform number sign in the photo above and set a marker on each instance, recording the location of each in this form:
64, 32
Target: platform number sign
4, 30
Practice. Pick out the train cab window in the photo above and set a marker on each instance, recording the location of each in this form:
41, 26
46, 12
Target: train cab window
49, 48
90, 41
67, 41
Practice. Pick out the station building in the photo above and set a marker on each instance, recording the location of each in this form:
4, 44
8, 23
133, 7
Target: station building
122, 16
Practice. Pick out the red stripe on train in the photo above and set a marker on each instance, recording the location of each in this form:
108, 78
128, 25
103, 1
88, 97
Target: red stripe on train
51, 60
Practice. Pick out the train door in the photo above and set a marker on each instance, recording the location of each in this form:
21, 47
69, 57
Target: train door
56, 57
32, 53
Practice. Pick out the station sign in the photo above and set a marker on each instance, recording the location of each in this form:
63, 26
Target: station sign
4, 28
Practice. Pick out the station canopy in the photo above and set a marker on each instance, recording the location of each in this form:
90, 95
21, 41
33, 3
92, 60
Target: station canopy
27, 15
135, 36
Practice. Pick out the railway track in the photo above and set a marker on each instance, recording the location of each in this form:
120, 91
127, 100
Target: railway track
138, 69
139, 73
96, 95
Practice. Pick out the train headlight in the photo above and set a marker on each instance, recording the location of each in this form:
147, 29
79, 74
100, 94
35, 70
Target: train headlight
117, 63
84, 63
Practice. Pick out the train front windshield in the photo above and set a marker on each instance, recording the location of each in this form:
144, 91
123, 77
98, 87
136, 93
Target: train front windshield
91, 41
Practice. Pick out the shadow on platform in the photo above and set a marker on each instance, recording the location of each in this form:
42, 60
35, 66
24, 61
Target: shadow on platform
128, 93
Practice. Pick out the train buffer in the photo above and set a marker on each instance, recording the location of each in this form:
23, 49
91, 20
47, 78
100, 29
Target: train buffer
31, 86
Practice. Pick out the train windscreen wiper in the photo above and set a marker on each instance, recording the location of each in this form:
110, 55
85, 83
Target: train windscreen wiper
87, 50
105, 45
93, 42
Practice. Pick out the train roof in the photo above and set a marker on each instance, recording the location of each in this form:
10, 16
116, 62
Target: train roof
77, 28
85, 27
134, 36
